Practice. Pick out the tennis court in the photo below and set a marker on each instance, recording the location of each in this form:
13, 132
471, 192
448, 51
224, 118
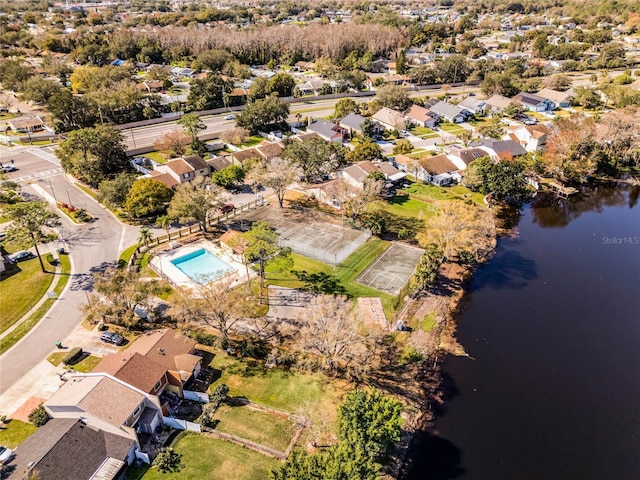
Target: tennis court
392, 270
309, 235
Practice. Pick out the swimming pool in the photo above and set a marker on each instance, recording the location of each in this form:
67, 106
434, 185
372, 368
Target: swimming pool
202, 266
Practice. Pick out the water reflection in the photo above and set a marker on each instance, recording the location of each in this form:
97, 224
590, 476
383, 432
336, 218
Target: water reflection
507, 269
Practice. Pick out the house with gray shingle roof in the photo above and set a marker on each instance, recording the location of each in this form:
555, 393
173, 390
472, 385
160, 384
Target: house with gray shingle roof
449, 112
328, 131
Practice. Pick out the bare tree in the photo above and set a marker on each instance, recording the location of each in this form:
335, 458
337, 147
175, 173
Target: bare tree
278, 174
354, 201
458, 227
235, 136
174, 143
216, 303
331, 332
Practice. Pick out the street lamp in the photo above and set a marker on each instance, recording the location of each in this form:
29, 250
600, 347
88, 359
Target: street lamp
69, 197
53, 192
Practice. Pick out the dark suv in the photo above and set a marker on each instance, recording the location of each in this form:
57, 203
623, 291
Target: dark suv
112, 337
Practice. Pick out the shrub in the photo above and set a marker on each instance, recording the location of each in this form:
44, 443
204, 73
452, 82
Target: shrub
219, 395
83, 216
204, 338
168, 461
39, 416
73, 355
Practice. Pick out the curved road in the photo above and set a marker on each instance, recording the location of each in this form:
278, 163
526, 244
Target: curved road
91, 245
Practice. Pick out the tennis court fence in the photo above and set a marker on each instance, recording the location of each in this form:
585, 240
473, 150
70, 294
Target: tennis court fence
325, 255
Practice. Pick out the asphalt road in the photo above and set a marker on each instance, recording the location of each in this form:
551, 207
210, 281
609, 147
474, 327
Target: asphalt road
90, 245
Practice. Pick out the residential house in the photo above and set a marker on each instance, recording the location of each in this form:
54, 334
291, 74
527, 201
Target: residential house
326, 130
269, 150
421, 116
534, 102
104, 402
303, 66
218, 163
390, 119
181, 170
238, 96
499, 149
150, 86
26, 124
242, 156
474, 106
449, 112
69, 448
561, 99
176, 352
497, 103
439, 170
466, 155
356, 174
352, 123
531, 137
305, 88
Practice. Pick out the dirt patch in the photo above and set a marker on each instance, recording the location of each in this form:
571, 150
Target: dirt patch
26, 408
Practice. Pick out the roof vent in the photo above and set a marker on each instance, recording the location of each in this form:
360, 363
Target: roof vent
161, 351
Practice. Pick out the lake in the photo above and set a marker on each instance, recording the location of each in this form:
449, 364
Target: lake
551, 323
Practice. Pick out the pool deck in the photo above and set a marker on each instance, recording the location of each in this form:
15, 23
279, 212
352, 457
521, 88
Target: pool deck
161, 263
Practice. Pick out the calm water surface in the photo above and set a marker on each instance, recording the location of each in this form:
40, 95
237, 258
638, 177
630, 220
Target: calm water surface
552, 324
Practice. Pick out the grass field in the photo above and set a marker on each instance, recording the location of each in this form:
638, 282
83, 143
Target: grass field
431, 193
155, 156
270, 430
24, 328
87, 364
21, 291
211, 459
252, 142
346, 273
15, 433
420, 131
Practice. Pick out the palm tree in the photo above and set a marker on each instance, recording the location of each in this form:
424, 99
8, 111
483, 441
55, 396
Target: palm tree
164, 221
145, 236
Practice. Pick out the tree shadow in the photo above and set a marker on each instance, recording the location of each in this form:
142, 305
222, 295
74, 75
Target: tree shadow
434, 458
85, 281
508, 269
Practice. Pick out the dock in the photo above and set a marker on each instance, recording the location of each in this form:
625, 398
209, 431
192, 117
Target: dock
562, 190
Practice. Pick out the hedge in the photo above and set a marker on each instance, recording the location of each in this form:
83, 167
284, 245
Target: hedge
74, 354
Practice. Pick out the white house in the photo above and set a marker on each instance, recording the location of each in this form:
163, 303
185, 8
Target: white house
449, 112
474, 106
534, 103
531, 137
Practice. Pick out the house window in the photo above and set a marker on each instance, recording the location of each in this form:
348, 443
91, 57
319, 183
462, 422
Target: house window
137, 410
157, 385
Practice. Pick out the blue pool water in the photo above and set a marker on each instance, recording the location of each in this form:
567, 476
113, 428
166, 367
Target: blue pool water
202, 266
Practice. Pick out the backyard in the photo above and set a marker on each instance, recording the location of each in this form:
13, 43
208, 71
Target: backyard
210, 458
15, 432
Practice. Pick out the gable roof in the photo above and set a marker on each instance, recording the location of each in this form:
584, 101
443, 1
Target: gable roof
529, 99
352, 121
66, 448
389, 117
416, 112
99, 395
195, 161
218, 163
323, 128
445, 109
472, 103
25, 122
469, 155
437, 164
498, 101
164, 347
132, 368
536, 131
360, 171
556, 96
244, 155
270, 150
165, 178
504, 146
179, 166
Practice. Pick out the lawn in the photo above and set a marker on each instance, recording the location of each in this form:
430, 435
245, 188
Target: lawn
212, 459
21, 330
266, 429
277, 387
85, 365
430, 193
155, 156
346, 273
15, 433
32, 285
419, 131
252, 142
404, 206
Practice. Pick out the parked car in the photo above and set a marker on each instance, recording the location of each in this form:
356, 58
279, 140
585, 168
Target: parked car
112, 337
229, 117
227, 207
5, 454
21, 256
8, 168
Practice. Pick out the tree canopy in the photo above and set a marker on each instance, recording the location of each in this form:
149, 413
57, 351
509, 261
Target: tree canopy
147, 198
263, 114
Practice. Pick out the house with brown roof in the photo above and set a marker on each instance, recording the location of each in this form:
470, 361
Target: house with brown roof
150, 86
181, 170
466, 155
104, 402
439, 170
421, 116
561, 99
69, 448
242, 156
390, 119
175, 352
218, 163
136, 370
497, 103
269, 150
